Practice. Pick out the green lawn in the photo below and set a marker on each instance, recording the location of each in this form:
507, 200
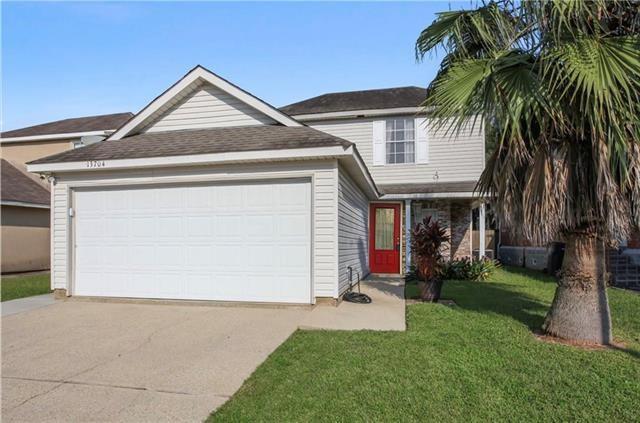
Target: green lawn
477, 361
24, 286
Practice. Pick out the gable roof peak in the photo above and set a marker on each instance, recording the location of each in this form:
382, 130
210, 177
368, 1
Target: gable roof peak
199, 72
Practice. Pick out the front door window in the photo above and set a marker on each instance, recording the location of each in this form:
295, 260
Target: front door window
384, 229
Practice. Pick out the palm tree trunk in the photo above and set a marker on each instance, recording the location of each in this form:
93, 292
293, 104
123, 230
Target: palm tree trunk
580, 308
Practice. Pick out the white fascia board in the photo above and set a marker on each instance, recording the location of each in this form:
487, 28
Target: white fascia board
53, 136
193, 160
359, 113
359, 171
425, 196
201, 73
24, 204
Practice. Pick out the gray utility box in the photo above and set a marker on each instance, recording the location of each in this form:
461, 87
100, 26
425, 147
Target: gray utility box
536, 258
512, 256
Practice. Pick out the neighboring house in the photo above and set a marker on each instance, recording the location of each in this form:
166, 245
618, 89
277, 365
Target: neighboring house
25, 197
25, 221
209, 193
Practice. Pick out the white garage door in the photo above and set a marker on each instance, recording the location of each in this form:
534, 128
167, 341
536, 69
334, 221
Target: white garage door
231, 242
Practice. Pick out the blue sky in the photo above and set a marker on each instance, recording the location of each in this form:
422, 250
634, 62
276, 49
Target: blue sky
65, 60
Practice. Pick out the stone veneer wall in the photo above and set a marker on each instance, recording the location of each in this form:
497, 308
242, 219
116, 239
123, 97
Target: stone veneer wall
461, 229
456, 217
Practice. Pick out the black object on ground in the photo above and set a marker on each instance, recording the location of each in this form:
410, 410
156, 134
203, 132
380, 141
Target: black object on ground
355, 297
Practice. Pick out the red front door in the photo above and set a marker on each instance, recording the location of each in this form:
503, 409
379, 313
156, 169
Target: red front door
384, 238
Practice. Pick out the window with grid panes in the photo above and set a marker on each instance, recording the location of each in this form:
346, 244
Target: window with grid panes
400, 141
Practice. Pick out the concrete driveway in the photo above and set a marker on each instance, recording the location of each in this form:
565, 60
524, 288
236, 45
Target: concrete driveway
113, 361
88, 361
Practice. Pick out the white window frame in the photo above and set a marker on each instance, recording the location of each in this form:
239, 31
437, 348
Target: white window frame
419, 213
405, 141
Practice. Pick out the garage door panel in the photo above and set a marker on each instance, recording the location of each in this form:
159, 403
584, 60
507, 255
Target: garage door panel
293, 197
292, 258
140, 200
243, 242
113, 255
200, 256
116, 227
170, 227
170, 256
143, 227
229, 257
199, 226
293, 226
169, 285
227, 197
261, 197
142, 256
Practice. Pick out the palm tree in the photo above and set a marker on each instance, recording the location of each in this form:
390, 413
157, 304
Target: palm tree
558, 84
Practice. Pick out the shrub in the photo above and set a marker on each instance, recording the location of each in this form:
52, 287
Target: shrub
427, 239
470, 270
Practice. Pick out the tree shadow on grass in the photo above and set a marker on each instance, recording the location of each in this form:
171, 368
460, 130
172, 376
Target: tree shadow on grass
537, 275
503, 299
497, 298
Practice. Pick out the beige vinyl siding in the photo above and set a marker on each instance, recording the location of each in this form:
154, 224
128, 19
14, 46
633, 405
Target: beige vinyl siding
454, 157
353, 231
323, 174
205, 106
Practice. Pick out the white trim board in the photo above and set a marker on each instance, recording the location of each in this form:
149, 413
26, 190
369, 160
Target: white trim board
24, 204
193, 159
199, 72
348, 114
46, 137
419, 196
353, 162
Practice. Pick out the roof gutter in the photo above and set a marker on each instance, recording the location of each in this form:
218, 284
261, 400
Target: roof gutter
48, 137
432, 195
350, 114
24, 204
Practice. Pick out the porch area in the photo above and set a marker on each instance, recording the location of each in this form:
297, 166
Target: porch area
466, 221
466, 218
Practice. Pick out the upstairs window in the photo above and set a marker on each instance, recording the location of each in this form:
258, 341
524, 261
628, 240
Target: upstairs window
400, 141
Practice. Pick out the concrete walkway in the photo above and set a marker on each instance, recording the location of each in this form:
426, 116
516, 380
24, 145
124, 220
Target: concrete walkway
386, 311
21, 305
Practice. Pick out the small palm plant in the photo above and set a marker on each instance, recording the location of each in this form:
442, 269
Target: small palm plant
427, 242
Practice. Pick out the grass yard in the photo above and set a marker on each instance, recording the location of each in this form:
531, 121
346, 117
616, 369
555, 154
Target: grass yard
13, 287
477, 361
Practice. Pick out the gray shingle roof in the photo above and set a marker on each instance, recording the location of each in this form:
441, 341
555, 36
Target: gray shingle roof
359, 100
200, 141
16, 186
430, 188
81, 124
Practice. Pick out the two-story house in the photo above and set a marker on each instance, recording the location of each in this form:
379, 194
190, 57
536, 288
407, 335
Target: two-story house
419, 168
24, 197
209, 193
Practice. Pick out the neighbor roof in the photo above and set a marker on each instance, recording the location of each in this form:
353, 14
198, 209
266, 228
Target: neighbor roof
429, 188
73, 125
200, 141
20, 188
388, 98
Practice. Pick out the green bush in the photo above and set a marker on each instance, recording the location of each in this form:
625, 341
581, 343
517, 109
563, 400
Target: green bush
470, 270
